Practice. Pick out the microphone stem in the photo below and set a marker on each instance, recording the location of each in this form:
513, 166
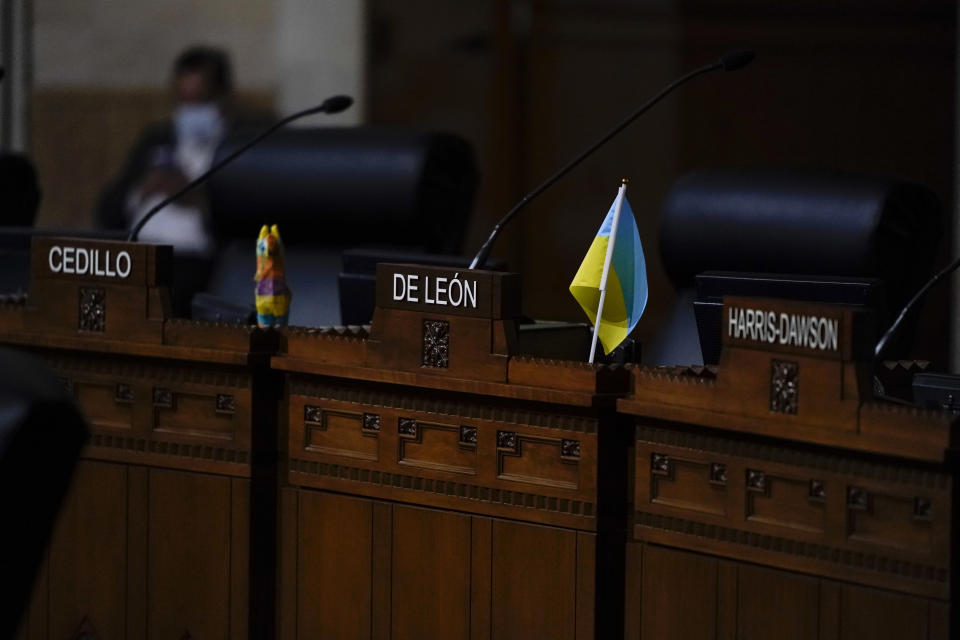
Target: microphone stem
480, 259
889, 333
135, 231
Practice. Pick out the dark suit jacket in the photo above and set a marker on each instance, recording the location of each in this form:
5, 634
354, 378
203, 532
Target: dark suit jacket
110, 207
111, 204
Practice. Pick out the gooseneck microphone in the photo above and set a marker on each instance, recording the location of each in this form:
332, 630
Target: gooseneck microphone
889, 333
333, 104
730, 61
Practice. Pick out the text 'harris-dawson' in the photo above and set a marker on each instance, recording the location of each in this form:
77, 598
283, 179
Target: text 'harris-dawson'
793, 329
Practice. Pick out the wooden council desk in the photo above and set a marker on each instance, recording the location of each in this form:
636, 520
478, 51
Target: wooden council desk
421, 478
774, 498
156, 538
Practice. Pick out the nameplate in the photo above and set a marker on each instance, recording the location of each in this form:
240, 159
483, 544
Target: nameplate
441, 290
787, 326
128, 263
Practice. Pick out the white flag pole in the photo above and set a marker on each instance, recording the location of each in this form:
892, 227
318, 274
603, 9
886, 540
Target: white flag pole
617, 206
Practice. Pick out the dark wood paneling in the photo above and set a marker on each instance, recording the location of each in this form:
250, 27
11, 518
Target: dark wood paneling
769, 599
138, 549
382, 536
727, 598
287, 593
334, 578
586, 585
879, 615
188, 583
633, 592
239, 584
838, 86
534, 581
511, 464
939, 621
88, 554
774, 501
829, 612
679, 598
480, 577
430, 574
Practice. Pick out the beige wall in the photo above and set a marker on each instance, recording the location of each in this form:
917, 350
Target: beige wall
321, 51
130, 43
101, 69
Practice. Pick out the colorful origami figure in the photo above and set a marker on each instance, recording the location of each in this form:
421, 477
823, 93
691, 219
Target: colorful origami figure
273, 295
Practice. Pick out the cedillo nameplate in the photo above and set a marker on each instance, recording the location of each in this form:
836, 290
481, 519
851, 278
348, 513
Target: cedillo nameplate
108, 261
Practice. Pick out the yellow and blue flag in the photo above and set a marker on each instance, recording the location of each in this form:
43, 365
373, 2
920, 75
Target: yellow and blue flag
627, 291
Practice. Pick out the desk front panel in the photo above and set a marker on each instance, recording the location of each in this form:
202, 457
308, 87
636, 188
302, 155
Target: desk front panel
153, 538
858, 518
473, 454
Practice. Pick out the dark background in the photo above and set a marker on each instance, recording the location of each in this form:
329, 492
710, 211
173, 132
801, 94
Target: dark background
863, 86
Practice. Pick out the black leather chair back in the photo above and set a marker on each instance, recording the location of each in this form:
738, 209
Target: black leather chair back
801, 222
349, 186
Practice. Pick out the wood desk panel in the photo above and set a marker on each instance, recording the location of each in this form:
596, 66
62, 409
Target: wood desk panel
533, 569
143, 411
155, 538
871, 522
682, 595
357, 567
486, 475
89, 552
430, 574
529, 463
331, 570
198, 537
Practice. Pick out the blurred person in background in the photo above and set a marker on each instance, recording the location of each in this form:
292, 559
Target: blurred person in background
167, 156
171, 153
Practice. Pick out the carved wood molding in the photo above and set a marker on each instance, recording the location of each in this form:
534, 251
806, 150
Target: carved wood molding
164, 447
571, 364
784, 386
890, 408
123, 394
13, 301
227, 326
328, 432
878, 563
125, 369
916, 476
455, 409
93, 309
693, 375
435, 351
861, 519
467, 492
468, 436
352, 333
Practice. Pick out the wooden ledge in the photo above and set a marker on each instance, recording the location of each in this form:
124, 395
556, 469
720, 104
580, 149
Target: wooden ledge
101, 345
883, 428
569, 375
440, 382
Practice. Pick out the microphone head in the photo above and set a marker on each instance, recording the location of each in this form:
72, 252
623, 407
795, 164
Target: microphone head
336, 104
737, 59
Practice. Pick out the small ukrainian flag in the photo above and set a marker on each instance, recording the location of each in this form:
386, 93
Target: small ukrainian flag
613, 277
